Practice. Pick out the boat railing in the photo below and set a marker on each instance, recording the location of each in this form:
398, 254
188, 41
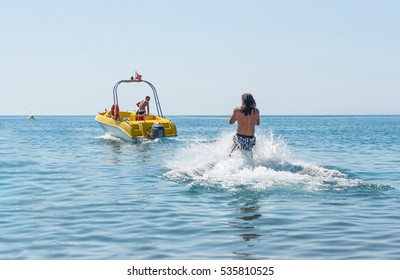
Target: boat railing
156, 99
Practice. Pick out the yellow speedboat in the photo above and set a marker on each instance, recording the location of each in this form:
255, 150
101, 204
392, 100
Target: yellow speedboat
126, 125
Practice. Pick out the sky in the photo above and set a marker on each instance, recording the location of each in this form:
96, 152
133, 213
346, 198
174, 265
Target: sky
297, 57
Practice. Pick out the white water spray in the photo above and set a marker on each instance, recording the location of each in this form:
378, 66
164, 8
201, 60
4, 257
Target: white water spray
208, 164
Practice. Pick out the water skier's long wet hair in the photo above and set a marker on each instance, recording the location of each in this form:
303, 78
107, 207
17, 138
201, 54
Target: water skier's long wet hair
249, 104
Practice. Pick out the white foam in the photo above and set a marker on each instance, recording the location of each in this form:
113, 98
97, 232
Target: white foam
208, 164
107, 136
143, 140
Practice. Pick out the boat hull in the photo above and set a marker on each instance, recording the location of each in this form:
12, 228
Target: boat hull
129, 128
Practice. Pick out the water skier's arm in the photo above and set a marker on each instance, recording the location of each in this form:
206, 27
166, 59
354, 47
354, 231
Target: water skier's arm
258, 117
233, 117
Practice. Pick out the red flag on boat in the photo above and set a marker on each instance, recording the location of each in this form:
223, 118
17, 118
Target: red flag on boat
138, 77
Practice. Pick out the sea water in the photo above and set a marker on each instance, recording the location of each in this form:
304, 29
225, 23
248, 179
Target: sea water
315, 187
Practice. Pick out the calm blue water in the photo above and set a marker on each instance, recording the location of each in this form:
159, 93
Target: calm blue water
318, 187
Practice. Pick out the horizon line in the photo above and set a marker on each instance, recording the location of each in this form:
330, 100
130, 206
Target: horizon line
202, 115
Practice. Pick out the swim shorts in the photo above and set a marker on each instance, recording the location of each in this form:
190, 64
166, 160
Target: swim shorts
141, 114
244, 142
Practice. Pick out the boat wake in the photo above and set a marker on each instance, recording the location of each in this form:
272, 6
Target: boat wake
110, 138
208, 164
107, 136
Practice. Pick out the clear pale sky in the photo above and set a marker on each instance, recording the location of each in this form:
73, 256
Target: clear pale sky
296, 57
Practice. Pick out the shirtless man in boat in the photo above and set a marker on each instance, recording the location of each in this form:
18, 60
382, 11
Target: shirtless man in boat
247, 116
143, 105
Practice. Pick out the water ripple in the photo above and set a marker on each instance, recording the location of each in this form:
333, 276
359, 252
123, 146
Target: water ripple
67, 192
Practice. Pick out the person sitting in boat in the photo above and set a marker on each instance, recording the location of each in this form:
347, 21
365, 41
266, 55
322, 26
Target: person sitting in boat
143, 106
247, 116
